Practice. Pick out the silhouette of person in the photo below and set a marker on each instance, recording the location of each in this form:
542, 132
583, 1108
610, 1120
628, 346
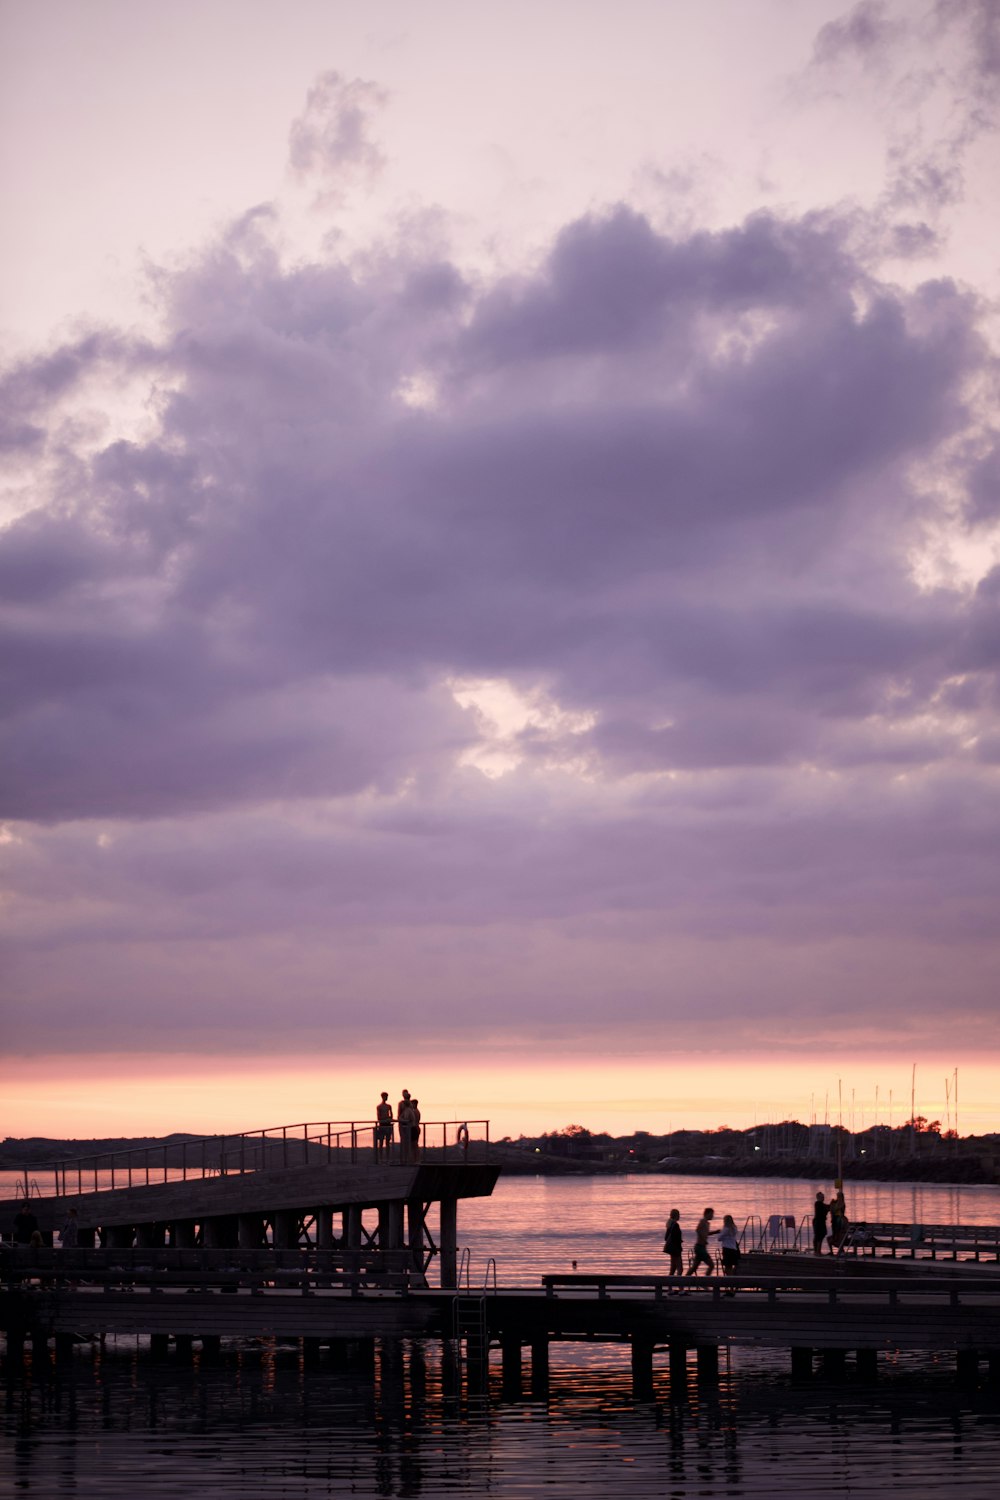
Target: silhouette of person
404, 1119
729, 1244
69, 1234
414, 1130
25, 1225
821, 1210
383, 1128
701, 1234
838, 1219
673, 1243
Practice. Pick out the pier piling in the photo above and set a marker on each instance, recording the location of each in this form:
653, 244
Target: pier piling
642, 1367
540, 1367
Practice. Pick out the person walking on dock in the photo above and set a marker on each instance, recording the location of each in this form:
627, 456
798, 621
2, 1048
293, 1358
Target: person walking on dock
729, 1244
414, 1130
701, 1234
69, 1234
821, 1210
673, 1244
383, 1128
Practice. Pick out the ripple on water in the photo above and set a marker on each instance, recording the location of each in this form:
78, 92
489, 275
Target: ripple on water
259, 1424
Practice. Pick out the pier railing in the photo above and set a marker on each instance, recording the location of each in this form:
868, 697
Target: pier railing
773, 1232
918, 1241
303, 1267
324, 1143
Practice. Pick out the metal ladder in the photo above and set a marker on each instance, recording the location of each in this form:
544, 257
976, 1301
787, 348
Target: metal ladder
469, 1315
470, 1327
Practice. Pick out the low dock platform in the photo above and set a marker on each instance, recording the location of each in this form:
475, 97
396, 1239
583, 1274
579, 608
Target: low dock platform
207, 1296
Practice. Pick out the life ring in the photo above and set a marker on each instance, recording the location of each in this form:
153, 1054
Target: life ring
462, 1138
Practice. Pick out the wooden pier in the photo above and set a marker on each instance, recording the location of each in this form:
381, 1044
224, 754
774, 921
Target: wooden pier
309, 1237
307, 1185
321, 1299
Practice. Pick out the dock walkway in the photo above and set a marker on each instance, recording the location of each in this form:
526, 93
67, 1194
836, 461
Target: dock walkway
308, 1296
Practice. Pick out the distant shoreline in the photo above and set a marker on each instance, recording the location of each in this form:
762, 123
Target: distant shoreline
916, 1172
38, 1153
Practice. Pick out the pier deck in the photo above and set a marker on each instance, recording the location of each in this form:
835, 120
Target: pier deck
308, 1185
304, 1296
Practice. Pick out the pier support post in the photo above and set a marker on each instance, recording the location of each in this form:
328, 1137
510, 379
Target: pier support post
150, 1235
802, 1363
211, 1346
250, 1232
220, 1232
448, 1242
967, 1366
391, 1375
159, 1345
361, 1359
324, 1228
120, 1236
510, 1352
184, 1345
993, 1366
338, 1354
286, 1229
64, 1348
540, 1366
708, 1364
642, 1368
867, 1364
15, 1351
40, 1358
834, 1363
677, 1354
415, 1231
390, 1226
310, 1352
352, 1227
451, 1379
184, 1234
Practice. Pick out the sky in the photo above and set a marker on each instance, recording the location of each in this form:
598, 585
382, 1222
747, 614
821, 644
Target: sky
499, 562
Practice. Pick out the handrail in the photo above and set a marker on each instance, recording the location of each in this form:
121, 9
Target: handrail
337, 1142
926, 1239
491, 1265
302, 1267
833, 1287
464, 1265
754, 1227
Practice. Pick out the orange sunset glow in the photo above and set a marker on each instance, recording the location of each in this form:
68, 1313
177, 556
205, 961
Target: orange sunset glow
148, 1095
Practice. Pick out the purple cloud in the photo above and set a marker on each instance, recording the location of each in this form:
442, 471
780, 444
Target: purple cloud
331, 141
666, 489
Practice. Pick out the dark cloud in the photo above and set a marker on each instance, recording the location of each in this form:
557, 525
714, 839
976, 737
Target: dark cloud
667, 488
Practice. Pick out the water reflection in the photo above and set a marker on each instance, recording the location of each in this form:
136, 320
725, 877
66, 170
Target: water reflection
260, 1421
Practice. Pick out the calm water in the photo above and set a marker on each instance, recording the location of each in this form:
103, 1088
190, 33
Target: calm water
258, 1424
